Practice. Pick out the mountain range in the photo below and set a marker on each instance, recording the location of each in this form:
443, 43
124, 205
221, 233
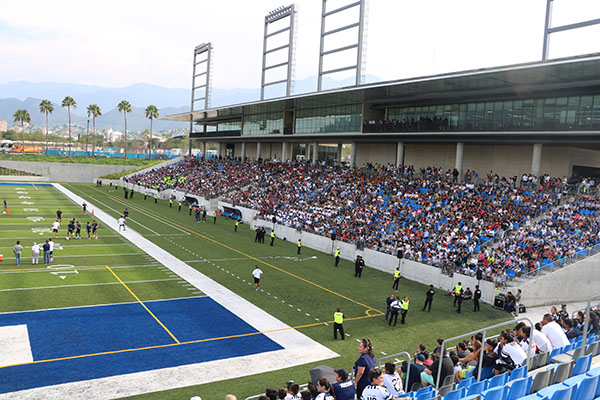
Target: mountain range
28, 95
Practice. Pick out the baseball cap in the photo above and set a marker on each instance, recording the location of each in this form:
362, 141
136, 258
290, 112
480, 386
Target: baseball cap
420, 357
342, 373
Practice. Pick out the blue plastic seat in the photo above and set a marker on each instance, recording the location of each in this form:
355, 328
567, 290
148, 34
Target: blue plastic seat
587, 388
477, 387
456, 394
465, 383
497, 393
498, 380
533, 397
424, 390
487, 372
518, 373
582, 365
554, 352
565, 393
520, 388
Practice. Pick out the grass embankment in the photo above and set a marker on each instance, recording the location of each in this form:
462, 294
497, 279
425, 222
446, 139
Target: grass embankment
79, 160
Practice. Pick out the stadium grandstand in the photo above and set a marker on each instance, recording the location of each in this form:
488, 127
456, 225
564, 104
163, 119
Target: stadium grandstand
537, 118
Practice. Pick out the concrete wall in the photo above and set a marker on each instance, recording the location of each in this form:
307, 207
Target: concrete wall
573, 283
382, 153
584, 157
414, 271
18, 178
65, 172
434, 155
160, 165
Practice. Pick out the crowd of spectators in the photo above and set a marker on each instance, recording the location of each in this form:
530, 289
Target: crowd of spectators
207, 178
422, 123
504, 352
428, 215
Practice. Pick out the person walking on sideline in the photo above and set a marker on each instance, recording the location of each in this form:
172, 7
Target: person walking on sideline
5, 206
35, 253
84, 206
272, 238
122, 224
429, 297
17, 249
338, 320
396, 278
336, 255
257, 274
55, 226
235, 225
299, 246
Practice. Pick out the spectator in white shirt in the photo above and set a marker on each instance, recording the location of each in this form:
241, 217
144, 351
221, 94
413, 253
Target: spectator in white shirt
554, 332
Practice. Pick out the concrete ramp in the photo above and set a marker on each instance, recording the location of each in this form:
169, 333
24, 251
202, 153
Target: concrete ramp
576, 282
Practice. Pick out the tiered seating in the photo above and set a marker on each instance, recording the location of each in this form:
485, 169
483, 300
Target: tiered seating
572, 380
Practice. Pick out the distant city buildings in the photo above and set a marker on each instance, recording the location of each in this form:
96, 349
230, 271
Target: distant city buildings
3, 126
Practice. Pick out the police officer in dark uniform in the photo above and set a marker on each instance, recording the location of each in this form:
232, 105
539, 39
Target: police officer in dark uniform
429, 298
476, 297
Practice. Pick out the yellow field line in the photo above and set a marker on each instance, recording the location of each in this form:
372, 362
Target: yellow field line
35, 186
184, 343
143, 305
238, 251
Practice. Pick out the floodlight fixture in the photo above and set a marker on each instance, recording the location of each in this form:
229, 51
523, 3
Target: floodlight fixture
359, 44
274, 16
548, 30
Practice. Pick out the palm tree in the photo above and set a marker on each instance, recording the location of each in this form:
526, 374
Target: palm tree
46, 107
93, 111
22, 116
125, 107
69, 102
152, 113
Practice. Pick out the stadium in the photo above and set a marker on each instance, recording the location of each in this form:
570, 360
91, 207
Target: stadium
280, 267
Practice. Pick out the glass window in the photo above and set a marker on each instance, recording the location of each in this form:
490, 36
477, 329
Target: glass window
263, 124
584, 117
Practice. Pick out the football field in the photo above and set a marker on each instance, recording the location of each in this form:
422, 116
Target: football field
132, 308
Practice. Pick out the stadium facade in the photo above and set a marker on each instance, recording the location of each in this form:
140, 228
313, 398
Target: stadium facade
539, 118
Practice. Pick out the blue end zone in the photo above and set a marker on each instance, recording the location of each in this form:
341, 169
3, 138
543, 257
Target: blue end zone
25, 184
88, 330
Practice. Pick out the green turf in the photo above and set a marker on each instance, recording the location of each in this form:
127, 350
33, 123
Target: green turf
293, 285
300, 290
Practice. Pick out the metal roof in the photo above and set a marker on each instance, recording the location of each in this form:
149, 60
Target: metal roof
525, 79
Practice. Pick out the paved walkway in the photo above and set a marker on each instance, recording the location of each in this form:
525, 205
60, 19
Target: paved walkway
298, 348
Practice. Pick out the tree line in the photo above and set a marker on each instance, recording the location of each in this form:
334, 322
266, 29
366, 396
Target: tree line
93, 111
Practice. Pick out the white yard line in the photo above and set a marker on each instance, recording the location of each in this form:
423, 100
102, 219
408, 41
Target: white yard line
86, 284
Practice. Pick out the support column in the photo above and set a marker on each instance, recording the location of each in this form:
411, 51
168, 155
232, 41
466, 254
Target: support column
460, 149
258, 149
400, 154
353, 154
339, 153
315, 151
284, 151
307, 155
204, 150
243, 151
219, 147
536, 159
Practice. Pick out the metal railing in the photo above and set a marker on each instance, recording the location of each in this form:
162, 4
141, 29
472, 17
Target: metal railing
587, 319
481, 352
382, 360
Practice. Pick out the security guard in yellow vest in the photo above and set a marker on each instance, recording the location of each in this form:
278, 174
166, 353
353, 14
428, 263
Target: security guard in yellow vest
337, 256
235, 225
299, 245
190, 207
145, 194
179, 205
171, 202
396, 278
155, 198
338, 320
457, 290
272, 238
404, 305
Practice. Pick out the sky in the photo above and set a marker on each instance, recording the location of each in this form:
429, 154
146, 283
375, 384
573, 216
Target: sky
116, 43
